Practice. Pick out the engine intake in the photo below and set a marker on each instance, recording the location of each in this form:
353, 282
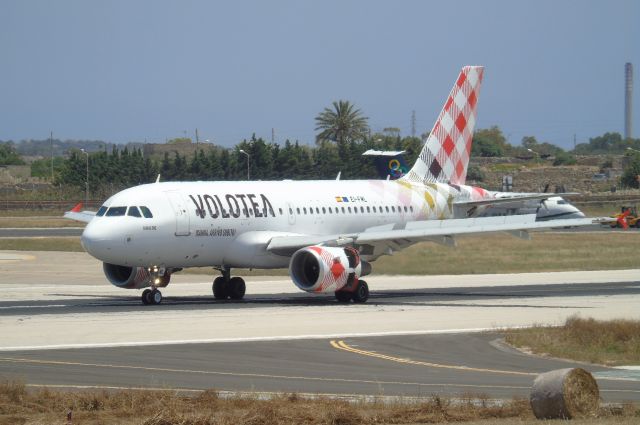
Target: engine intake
327, 269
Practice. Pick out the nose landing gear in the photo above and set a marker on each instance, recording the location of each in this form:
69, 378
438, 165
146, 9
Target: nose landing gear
225, 286
159, 277
151, 296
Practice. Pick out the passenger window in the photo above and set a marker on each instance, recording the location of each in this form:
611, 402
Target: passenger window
290, 211
342, 210
387, 208
116, 211
330, 210
368, 209
374, 209
134, 212
362, 210
393, 209
304, 210
101, 211
298, 209
324, 211
317, 210
310, 210
146, 212
349, 208
280, 209
405, 208
411, 208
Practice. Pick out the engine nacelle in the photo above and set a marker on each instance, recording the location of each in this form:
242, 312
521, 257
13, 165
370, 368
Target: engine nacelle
132, 277
327, 269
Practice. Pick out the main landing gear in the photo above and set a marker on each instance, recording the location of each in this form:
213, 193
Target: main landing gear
225, 286
359, 295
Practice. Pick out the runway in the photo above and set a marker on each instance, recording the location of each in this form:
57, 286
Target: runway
62, 324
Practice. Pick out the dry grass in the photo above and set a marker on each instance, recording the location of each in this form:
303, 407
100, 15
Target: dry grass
494, 253
38, 221
498, 253
44, 406
70, 244
613, 343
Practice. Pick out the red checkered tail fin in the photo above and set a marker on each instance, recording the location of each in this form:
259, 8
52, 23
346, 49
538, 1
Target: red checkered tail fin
445, 156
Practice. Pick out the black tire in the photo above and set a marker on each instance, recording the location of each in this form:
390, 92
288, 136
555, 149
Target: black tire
155, 297
361, 294
220, 288
236, 288
343, 296
145, 296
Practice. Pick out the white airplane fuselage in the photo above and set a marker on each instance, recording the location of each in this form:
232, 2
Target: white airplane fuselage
230, 223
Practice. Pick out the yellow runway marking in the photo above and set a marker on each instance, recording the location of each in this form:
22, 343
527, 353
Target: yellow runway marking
341, 345
251, 375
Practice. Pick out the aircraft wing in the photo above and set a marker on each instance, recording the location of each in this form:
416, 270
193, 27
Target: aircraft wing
441, 231
510, 199
78, 215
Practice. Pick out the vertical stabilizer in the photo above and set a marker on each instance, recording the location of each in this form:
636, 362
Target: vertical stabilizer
445, 156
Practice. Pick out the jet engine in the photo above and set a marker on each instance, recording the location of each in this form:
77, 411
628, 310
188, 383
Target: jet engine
327, 269
132, 277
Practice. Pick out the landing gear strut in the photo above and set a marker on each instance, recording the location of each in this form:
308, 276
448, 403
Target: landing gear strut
225, 286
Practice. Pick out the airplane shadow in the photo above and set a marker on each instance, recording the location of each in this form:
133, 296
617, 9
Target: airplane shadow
476, 297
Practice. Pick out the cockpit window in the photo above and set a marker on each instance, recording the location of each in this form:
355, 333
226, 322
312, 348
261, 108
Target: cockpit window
116, 211
562, 202
134, 212
101, 211
146, 212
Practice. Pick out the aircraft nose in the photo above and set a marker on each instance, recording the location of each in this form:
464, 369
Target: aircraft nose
97, 239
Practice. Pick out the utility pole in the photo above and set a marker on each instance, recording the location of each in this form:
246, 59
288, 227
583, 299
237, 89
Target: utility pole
248, 167
413, 123
51, 143
574, 142
86, 195
197, 138
273, 135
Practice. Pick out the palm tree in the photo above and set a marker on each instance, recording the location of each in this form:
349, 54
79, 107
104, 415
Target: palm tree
341, 124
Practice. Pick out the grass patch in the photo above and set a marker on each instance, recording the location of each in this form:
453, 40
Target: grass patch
613, 343
69, 244
38, 221
492, 253
18, 405
499, 253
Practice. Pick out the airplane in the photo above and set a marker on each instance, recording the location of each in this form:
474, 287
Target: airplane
326, 232
391, 165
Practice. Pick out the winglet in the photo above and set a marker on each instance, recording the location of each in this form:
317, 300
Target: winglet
77, 208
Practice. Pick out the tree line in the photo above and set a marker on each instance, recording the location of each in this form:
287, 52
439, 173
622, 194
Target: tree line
112, 171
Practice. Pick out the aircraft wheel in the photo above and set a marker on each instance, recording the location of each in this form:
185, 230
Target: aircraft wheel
155, 297
361, 293
236, 288
343, 296
145, 296
220, 288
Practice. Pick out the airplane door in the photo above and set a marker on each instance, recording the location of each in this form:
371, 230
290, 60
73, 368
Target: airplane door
180, 210
291, 214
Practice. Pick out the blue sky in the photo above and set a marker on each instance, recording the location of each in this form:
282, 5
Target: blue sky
150, 70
